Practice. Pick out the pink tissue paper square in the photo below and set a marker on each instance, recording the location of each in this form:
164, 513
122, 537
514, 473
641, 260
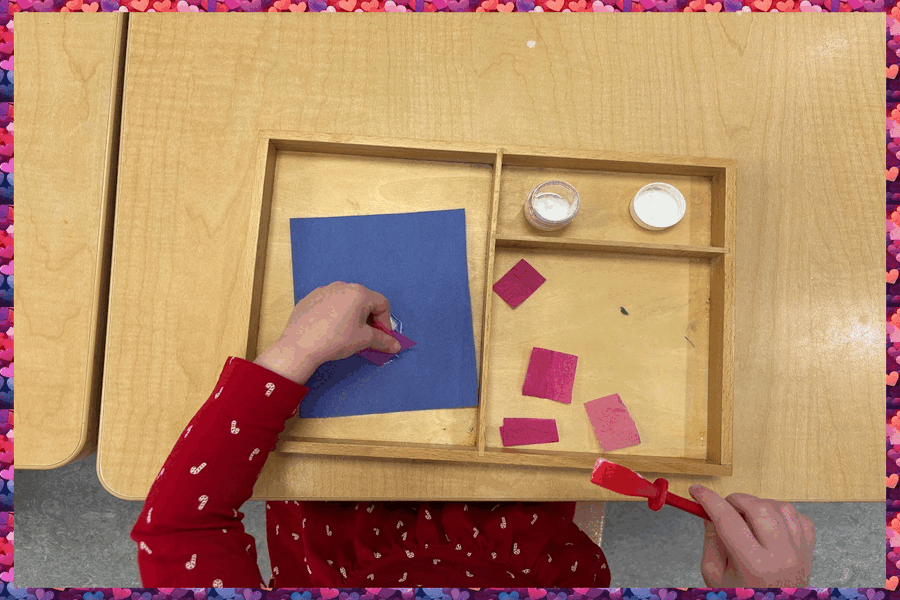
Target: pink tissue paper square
521, 432
550, 375
519, 283
612, 423
380, 358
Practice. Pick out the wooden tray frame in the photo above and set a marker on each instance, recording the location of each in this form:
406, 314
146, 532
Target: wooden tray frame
720, 254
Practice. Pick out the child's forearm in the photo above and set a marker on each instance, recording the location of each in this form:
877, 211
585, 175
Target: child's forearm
189, 533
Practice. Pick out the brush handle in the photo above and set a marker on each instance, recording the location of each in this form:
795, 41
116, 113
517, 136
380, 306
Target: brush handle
686, 505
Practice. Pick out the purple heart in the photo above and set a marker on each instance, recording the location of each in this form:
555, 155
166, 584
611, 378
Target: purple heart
876, 6
667, 5
835, 5
524, 6
440, 4
232, 4
461, 6
251, 5
733, 5
43, 5
211, 5
106, 5
317, 5
648, 4
626, 6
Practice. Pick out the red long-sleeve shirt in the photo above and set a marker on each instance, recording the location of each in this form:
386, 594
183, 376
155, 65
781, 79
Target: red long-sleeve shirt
190, 534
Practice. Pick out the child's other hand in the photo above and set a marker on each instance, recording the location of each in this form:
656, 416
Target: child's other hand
330, 323
753, 542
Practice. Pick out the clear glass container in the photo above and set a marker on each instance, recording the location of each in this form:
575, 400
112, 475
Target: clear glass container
552, 205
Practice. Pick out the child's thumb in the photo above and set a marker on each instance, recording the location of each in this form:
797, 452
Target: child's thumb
384, 342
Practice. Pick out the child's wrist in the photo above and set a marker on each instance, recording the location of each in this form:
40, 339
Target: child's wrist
289, 361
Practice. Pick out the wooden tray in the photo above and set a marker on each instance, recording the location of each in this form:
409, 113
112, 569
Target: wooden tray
670, 358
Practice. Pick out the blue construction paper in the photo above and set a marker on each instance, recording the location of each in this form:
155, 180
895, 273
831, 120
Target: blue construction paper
418, 262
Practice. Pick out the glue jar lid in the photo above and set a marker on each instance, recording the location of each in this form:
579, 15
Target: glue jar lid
657, 206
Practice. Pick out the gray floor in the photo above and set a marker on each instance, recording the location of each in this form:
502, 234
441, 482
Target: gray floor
70, 532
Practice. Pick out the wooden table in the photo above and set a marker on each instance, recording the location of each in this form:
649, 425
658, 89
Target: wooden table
797, 101
68, 75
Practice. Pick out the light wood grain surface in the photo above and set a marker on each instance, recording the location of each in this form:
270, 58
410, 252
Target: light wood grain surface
798, 102
68, 70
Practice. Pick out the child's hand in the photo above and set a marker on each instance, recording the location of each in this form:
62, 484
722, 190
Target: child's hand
330, 323
753, 542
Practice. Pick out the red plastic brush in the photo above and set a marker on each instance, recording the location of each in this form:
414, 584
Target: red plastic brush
623, 480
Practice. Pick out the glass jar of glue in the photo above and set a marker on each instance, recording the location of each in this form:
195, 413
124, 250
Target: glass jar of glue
552, 205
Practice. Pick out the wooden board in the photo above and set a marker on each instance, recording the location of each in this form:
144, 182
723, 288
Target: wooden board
657, 358
808, 308
68, 94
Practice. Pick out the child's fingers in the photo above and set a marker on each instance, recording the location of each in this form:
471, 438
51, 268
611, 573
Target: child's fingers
729, 524
378, 307
383, 342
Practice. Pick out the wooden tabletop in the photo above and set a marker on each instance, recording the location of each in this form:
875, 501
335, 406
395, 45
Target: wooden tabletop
798, 102
68, 71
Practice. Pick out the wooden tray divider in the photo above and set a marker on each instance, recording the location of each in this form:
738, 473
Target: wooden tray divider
548, 243
488, 289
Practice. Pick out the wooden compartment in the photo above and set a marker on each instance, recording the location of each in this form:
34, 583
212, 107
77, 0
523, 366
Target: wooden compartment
669, 359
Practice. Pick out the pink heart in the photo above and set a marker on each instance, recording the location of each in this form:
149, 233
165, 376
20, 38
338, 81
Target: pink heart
855, 4
7, 473
8, 270
328, 593
8, 371
440, 4
8, 576
648, 4
390, 6
121, 594
232, 4
7, 167
7, 65
24, 4
536, 593
743, 593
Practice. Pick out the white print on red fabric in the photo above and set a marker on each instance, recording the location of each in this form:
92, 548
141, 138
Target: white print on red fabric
191, 563
217, 583
219, 392
276, 529
516, 548
295, 536
502, 522
534, 519
188, 430
235, 429
575, 566
252, 454
197, 469
327, 530
270, 387
203, 499
148, 514
143, 546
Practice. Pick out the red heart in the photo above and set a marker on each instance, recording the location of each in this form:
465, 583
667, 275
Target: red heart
301, 7
892, 480
74, 5
763, 5
892, 378
370, 6
282, 4
328, 593
578, 6
697, 5
785, 6
537, 593
140, 5
892, 71
743, 593
347, 5
713, 7
892, 276
891, 583
92, 7
557, 6
489, 5
164, 6
893, 171
508, 7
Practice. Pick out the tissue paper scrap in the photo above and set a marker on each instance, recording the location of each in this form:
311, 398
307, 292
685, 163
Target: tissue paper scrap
521, 432
612, 423
519, 283
550, 375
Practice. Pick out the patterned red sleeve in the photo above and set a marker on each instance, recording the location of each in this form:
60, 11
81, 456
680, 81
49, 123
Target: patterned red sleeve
189, 533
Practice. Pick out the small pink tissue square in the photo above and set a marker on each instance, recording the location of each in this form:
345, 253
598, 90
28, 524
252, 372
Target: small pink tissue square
519, 283
380, 358
550, 375
520, 432
612, 423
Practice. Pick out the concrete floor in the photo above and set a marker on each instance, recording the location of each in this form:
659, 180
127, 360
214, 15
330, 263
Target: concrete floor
70, 532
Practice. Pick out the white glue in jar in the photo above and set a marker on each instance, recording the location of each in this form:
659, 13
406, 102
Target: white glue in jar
657, 206
552, 205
